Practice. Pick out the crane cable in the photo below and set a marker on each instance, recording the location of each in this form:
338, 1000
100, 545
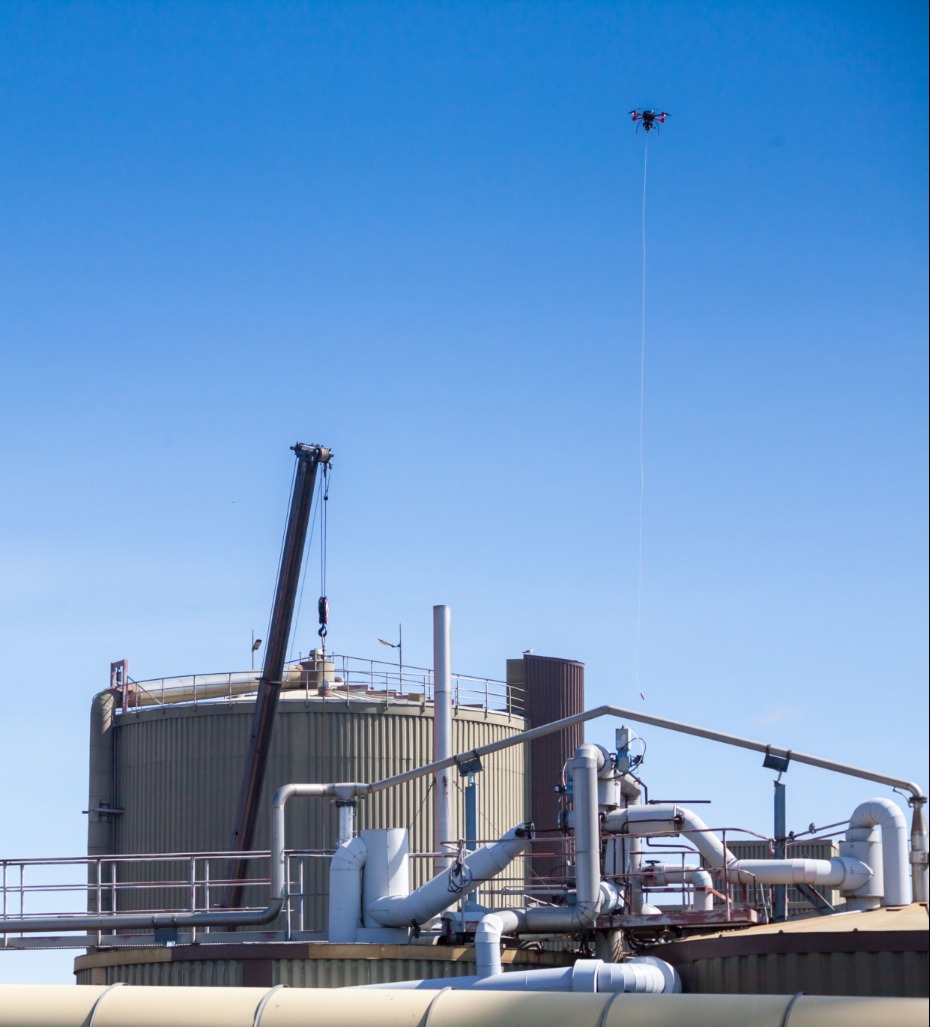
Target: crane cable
319, 508
323, 602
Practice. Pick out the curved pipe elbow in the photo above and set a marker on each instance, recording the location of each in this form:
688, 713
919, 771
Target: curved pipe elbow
887, 816
491, 928
350, 857
878, 813
642, 974
670, 819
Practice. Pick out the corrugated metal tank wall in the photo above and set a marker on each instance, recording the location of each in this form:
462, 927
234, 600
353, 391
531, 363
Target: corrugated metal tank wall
877, 952
296, 965
177, 773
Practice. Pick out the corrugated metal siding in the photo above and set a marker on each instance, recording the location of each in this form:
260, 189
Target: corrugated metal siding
882, 952
901, 974
178, 772
297, 965
207, 973
345, 973
860, 973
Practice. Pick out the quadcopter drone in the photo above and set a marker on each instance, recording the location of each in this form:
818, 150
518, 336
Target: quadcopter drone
649, 119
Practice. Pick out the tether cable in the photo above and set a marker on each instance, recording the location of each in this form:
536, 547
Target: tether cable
642, 459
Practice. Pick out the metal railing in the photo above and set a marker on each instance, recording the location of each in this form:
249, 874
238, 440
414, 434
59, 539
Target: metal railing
194, 882
335, 677
146, 883
182, 882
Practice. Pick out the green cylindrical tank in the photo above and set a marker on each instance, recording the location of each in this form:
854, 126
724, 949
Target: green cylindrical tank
175, 770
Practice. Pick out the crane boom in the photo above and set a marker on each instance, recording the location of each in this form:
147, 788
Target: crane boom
309, 459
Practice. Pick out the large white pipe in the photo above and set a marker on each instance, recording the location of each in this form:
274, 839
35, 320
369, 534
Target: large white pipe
491, 929
64, 1005
887, 816
592, 895
669, 820
839, 872
345, 891
641, 975
588, 760
442, 730
433, 897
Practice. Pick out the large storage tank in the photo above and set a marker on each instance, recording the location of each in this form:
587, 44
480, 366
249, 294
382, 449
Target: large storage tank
167, 759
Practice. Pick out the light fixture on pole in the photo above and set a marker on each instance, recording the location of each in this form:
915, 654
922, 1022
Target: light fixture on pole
399, 646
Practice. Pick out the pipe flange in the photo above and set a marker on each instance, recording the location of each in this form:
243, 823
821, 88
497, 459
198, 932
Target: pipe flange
584, 974
100, 998
260, 1008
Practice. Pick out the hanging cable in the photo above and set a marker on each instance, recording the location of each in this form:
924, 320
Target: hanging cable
642, 461
323, 602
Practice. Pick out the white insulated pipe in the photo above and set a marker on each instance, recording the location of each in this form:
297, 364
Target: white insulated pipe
442, 732
345, 891
587, 761
887, 816
433, 897
669, 820
592, 895
845, 872
839, 872
640, 975
64, 1005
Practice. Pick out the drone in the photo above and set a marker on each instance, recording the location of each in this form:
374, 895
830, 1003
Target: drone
649, 119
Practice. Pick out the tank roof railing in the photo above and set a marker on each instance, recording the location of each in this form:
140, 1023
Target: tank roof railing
348, 679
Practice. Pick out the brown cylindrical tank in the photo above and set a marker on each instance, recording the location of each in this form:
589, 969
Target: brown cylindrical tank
554, 688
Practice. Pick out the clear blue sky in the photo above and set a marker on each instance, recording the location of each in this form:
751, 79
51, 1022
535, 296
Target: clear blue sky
412, 232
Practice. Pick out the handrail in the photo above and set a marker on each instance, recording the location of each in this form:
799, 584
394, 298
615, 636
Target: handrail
346, 678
